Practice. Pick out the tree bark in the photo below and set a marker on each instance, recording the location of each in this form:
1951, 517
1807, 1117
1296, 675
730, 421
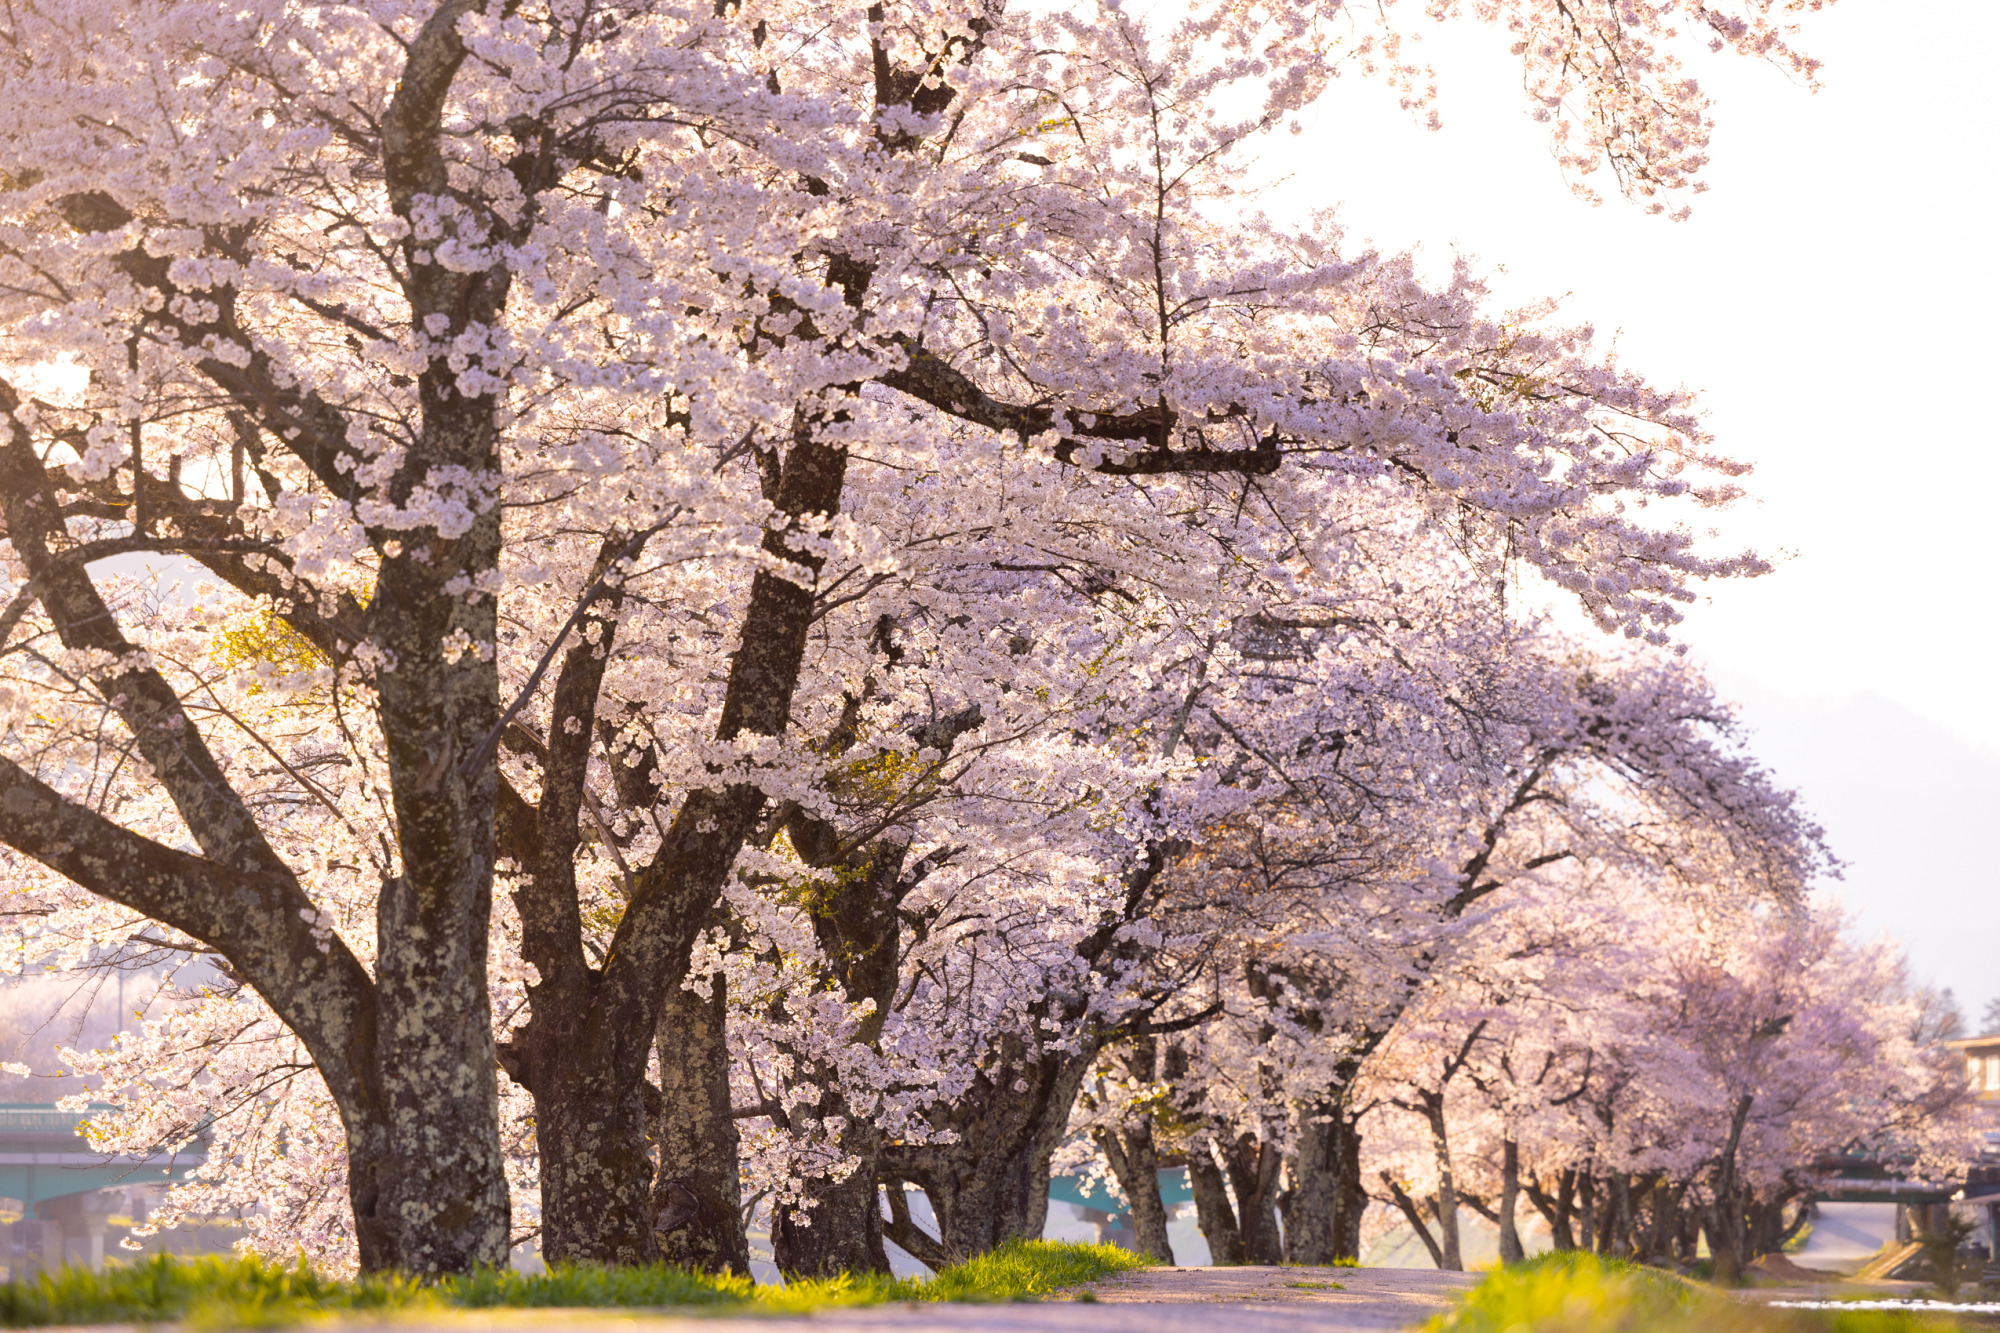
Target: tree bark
1725, 1220
1510, 1195
427, 1184
1213, 1212
698, 1193
925, 1248
238, 895
859, 933
447, 1198
992, 1185
428, 1188
841, 1229
1324, 1203
1450, 1256
1130, 1152
1615, 1237
1254, 1170
1415, 1217
1664, 1224
1557, 1209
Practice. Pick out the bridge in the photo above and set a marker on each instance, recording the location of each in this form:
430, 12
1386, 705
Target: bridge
67, 1190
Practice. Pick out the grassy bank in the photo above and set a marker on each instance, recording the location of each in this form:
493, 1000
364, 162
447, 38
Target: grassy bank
219, 1292
1582, 1293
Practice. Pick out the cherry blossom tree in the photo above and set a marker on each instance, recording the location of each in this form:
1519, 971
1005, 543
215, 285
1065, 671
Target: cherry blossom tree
582, 414
1650, 1067
1534, 755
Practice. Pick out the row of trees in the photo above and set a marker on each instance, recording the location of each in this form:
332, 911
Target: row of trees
905, 592
1645, 1065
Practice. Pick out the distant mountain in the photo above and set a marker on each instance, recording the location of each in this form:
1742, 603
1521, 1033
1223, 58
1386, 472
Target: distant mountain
1913, 810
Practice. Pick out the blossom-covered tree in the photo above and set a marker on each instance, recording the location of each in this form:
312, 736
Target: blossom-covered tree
1651, 1067
623, 448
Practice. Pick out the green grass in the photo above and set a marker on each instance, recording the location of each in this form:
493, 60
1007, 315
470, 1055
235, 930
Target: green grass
1572, 1292
1022, 1270
232, 1292
1317, 1286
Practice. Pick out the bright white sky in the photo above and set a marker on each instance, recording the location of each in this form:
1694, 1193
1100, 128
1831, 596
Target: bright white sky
1833, 298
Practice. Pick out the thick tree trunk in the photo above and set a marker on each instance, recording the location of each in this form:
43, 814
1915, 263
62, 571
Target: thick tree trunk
1617, 1238
902, 1229
981, 1199
1213, 1212
1134, 1161
1510, 1197
1324, 1203
1664, 1224
1351, 1202
841, 1230
1254, 1169
698, 1194
414, 1078
992, 1185
596, 1176
1725, 1242
447, 1197
585, 1060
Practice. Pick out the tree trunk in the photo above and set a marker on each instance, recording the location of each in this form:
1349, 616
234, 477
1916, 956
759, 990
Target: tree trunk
1665, 1222
1450, 1256
1351, 1205
698, 1195
859, 933
596, 1173
1725, 1214
1557, 1209
1324, 1203
841, 1231
992, 1185
448, 1193
1254, 1169
1621, 1214
1212, 1209
1137, 1166
447, 1197
918, 1244
981, 1199
1415, 1217
406, 1055
1510, 1194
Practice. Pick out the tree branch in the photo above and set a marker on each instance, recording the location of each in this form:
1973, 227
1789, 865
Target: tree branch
929, 379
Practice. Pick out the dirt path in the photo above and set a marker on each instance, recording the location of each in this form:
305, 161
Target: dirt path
1319, 1297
